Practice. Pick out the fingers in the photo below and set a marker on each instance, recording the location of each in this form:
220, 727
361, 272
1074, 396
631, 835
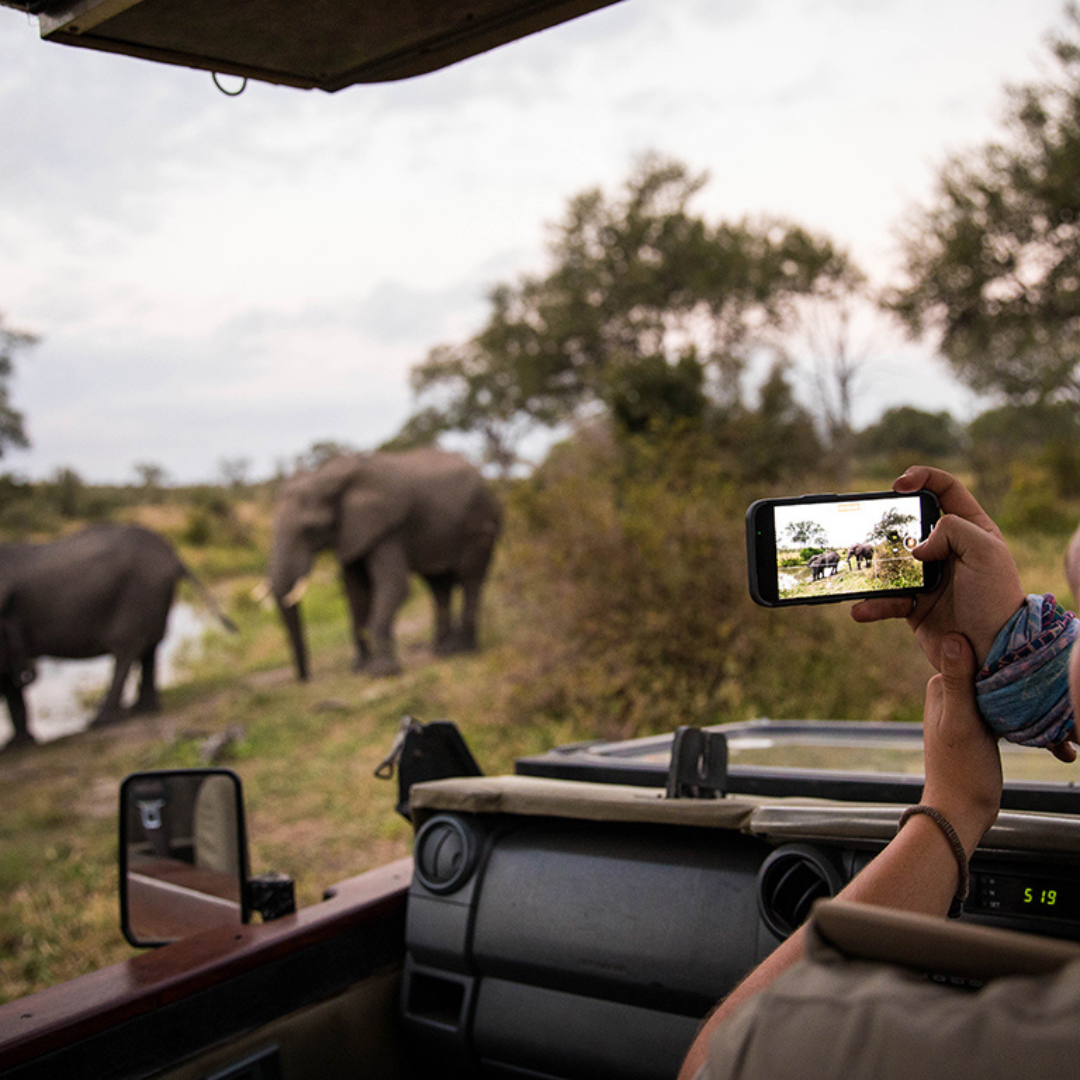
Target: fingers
1064, 751
953, 496
887, 607
953, 535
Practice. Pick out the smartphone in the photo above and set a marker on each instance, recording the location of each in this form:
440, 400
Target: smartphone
821, 549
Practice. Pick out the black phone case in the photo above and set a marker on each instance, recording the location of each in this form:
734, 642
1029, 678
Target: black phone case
752, 548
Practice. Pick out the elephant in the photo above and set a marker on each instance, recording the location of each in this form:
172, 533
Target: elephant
863, 553
105, 590
820, 563
384, 515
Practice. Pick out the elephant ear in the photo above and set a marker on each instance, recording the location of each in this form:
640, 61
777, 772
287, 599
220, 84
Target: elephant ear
365, 516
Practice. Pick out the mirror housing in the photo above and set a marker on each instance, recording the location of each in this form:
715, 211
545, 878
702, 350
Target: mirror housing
183, 854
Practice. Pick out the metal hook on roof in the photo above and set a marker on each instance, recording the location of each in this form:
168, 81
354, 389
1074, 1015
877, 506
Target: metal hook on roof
229, 93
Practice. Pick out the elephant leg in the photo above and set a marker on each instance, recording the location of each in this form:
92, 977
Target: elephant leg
148, 700
357, 586
442, 586
470, 614
16, 704
109, 711
389, 573
472, 572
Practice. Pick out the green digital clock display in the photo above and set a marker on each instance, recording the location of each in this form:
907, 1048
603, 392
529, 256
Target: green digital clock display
1039, 897
1045, 898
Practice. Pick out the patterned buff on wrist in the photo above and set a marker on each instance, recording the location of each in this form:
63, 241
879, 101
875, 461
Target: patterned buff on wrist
1023, 691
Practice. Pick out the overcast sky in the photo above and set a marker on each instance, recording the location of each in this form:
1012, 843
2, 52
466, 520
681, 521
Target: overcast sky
216, 278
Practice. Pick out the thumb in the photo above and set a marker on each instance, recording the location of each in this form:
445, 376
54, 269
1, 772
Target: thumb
957, 667
957, 685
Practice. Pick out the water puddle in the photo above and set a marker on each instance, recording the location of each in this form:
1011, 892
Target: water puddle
65, 694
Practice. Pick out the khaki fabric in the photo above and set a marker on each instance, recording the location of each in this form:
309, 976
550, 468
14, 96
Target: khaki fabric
841, 1016
776, 820
216, 829
538, 796
543, 797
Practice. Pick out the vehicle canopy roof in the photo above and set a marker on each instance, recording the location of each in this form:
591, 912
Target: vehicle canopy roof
324, 44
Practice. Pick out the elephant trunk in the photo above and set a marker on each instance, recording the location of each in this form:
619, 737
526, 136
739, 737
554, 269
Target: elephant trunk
290, 564
290, 616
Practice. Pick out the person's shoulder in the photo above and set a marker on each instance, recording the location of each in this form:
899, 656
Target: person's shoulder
839, 1013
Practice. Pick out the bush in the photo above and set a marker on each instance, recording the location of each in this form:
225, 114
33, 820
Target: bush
628, 567
213, 519
892, 572
1032, 502
1040, 441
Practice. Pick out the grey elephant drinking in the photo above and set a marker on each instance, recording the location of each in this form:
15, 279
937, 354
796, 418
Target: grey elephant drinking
385, 515
105, 590
820, 563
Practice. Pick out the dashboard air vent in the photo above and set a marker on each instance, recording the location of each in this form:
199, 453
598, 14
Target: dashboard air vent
445, 854
789, 881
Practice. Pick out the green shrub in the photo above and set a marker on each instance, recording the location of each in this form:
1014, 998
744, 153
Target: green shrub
892, 569
1032, 502
628, 564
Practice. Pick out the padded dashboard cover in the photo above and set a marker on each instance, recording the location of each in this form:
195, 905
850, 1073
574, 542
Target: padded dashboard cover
536, 796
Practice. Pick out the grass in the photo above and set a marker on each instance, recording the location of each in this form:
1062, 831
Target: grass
798, 581
306, 754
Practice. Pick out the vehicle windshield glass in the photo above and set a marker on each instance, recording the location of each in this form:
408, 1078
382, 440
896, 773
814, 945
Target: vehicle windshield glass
833, 747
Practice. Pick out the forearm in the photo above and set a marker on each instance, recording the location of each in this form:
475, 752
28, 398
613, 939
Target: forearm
917, 872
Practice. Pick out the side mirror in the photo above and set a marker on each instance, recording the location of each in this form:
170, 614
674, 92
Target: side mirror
183, 854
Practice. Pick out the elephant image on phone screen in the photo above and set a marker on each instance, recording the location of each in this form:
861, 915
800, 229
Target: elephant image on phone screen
863, 554
384, 516
106, 590
827, 560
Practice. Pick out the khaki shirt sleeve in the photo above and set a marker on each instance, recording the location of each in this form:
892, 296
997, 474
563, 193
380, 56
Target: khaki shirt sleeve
845, 1018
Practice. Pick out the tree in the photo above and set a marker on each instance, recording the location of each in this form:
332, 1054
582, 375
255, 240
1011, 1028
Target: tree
890, 526
807, 534
1041, 438
777, 439
235, 471
12, 422
993, 264
912, 432
833, 338
152, 478
648, 314
67, 489
320, 452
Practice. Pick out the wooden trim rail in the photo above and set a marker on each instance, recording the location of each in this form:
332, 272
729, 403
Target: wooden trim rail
69, 1012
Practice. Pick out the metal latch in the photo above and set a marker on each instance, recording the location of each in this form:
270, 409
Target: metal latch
698, 767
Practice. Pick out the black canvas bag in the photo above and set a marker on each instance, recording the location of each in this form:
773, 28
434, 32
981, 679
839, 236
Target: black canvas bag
432, 751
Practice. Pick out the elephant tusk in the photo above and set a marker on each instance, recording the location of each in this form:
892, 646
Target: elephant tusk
261, 591
294, 595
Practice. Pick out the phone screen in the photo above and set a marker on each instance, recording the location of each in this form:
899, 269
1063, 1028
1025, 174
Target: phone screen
817, 549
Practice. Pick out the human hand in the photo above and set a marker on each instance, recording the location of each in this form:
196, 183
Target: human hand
963, 766
981, 587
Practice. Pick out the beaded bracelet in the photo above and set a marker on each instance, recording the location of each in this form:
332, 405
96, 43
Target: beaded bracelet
942, 822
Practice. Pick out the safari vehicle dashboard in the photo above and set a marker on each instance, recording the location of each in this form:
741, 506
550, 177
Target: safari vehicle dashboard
576, 919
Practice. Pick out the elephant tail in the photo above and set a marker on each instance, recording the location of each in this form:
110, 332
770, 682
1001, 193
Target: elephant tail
211, 603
